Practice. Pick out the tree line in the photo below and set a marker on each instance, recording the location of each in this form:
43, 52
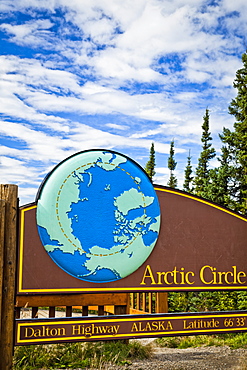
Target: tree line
225, 184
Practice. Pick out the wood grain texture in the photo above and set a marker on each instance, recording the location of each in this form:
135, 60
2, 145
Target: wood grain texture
2, 221
8, 193
71, 300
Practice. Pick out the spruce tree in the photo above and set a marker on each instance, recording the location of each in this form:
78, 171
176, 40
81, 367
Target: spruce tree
188, 178
172, 182
220, 184
236, 140
150, 165
201, 179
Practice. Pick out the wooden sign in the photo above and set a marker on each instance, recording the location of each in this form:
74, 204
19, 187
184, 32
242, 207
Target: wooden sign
201, 246
42, 331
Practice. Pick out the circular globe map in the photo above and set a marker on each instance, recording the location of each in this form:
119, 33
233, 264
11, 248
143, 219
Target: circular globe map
98, 216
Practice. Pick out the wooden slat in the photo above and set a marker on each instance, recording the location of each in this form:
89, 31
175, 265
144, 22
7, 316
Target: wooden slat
150, 302
138, 301
52, 311
71, 300
144, 301
161, 302
35, 311
120, 310
85, 311
132, 302
68, 311
101, 310
17, 312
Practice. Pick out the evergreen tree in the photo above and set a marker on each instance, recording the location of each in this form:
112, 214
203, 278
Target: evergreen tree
220, 185
172, 165
150, 165
188, 178
201, 179
236, 140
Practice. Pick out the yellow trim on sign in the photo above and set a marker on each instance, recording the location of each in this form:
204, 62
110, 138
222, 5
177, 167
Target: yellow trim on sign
130, 289
22, 230
129, 335
171, 332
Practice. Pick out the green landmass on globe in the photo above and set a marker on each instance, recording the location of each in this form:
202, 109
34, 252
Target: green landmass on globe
98, 216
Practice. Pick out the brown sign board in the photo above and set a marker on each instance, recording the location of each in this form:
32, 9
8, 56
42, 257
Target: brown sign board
201, 246
59, 330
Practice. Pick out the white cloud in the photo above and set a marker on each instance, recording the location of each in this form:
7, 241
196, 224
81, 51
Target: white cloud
32, 32
115, 126
150, 68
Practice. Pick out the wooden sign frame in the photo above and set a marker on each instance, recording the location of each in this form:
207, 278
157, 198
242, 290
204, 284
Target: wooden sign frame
131, 326
201, 246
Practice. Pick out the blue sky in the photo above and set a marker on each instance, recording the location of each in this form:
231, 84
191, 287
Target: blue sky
113, 74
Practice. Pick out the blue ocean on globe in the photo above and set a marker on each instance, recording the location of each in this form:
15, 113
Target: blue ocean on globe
103, 222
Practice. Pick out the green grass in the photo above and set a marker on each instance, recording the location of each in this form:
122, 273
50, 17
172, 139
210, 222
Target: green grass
232, 340
98, 354
79, 355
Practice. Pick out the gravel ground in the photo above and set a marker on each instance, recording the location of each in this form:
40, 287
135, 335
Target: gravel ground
200, 358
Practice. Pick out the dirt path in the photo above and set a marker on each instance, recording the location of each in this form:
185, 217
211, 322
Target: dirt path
201, 358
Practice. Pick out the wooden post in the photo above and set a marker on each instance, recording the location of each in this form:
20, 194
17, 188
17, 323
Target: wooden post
2, 220
123, 308
52, 311
35, 312
8, 193
84, 310
68, 311
101, 310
